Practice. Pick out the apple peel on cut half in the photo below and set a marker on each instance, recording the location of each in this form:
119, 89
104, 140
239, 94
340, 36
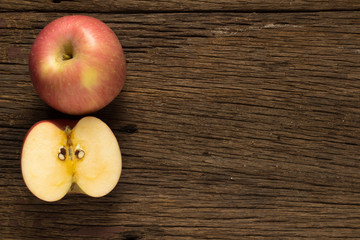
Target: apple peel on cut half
61, 156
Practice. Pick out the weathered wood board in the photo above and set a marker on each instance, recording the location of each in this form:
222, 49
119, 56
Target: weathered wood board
233, 124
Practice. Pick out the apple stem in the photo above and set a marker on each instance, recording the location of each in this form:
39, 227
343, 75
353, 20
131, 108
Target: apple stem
67, 57
68, 51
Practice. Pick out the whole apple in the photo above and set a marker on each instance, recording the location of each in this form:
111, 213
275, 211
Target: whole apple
77, 64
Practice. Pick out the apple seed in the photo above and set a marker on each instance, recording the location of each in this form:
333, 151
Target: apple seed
79, 153
62, 154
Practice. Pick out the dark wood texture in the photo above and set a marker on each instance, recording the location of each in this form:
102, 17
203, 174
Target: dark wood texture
143, 6
232, 125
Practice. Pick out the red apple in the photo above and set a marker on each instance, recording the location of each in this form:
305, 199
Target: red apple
60, 156
77, 64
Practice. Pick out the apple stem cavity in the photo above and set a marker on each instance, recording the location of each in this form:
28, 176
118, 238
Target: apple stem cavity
68, 51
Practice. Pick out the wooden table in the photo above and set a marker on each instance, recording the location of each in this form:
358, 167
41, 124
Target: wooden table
238, 120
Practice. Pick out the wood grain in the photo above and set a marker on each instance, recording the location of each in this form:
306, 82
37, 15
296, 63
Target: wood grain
231, 125
143, 6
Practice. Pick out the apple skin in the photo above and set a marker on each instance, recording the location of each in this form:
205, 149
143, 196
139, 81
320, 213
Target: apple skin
77, 64
60, 123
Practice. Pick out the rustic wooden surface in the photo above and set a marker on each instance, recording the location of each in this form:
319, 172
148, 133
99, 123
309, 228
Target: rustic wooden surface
238, 120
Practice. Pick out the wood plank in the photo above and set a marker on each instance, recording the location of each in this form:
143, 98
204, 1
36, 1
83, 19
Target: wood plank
232, 126
124, 6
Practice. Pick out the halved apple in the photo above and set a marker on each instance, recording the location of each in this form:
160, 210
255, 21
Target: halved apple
62, 156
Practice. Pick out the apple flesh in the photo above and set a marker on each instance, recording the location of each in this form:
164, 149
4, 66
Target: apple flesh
60, 156
77, 64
